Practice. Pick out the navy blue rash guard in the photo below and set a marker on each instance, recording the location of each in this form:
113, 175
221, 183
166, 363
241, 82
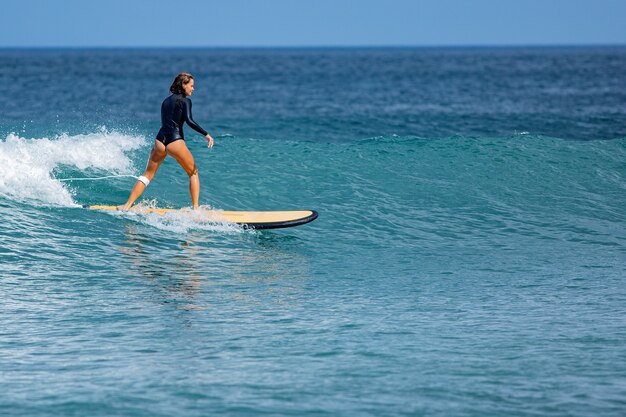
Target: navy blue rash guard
175, 111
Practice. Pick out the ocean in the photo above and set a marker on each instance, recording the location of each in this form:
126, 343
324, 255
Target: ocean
469, 258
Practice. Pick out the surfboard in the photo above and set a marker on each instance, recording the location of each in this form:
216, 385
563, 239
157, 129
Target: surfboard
248, 219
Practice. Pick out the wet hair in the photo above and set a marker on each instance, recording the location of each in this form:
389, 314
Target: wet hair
177, 85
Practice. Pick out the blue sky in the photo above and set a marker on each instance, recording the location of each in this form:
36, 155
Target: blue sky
135, 23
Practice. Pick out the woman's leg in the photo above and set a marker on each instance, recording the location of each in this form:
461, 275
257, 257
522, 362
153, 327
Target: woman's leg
157, 155
180, 152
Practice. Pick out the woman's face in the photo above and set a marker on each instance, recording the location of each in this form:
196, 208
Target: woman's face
188, 88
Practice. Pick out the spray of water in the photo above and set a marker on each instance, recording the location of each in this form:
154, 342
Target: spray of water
26, 165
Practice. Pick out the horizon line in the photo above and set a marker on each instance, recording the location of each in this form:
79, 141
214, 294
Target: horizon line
389, 46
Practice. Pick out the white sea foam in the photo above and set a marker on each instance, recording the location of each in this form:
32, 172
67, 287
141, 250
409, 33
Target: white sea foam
26, 165
179, 221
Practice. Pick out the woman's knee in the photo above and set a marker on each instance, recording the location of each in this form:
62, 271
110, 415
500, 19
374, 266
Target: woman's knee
193, 171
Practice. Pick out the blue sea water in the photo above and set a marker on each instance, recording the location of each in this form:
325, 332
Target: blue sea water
469, 258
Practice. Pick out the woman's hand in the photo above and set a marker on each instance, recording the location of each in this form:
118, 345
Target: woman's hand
210, 140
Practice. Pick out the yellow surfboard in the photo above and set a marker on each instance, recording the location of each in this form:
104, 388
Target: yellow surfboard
248, 219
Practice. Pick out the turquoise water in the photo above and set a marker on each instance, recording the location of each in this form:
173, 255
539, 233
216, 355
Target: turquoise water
468, 260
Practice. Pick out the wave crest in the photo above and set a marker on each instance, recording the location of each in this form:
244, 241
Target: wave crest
26, 165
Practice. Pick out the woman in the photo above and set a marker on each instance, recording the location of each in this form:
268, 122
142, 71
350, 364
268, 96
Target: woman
175, 110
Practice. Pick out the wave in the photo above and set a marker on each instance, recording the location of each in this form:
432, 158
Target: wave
27, 165
417, 185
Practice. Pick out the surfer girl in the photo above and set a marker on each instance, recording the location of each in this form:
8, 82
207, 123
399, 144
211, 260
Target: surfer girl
175, 111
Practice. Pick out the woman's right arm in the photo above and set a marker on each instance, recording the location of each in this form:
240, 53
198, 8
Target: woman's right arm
195, 126
189, 119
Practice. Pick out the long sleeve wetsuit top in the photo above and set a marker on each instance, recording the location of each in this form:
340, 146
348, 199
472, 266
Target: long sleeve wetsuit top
175, 111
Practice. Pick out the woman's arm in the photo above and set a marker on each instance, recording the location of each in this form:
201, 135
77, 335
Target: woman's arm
195, 126
189, 119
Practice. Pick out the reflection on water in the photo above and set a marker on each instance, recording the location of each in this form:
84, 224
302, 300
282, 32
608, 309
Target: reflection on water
201, 270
